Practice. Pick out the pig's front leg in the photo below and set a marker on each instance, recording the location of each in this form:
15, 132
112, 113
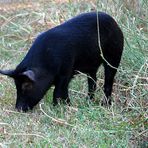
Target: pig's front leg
61, 90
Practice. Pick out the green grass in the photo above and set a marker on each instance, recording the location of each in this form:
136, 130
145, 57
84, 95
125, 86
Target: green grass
84, 124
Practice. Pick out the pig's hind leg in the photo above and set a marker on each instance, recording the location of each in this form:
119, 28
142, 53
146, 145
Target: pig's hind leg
110, 72
91, 84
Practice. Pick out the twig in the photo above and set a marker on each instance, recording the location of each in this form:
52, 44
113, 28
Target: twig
26, 134
14, 24
137, 77
99, 42
143, 132
2, 145
58, 121
2, 123
16, 112
78, 92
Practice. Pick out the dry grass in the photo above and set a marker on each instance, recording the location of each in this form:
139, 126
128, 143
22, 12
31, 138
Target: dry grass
85, 124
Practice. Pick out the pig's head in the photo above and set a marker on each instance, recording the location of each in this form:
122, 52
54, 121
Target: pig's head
31, 86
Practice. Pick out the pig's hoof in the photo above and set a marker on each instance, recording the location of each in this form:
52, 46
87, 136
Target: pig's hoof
106, 102
67, 102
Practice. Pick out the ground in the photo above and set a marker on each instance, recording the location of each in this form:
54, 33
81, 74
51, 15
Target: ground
84, 123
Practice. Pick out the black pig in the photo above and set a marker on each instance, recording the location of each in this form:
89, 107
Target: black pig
59, 53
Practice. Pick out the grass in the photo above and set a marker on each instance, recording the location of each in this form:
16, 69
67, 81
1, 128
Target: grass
84, 124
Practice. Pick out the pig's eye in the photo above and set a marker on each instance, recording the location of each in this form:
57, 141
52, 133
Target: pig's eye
27, 86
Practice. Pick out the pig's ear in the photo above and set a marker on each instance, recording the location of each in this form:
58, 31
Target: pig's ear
29, 74
10, 73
